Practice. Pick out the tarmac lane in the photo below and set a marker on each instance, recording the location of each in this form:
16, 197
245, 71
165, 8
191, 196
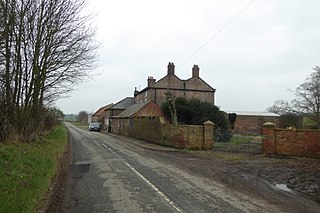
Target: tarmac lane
109, 174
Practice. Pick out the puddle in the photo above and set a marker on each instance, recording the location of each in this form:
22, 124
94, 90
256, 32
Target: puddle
283, 187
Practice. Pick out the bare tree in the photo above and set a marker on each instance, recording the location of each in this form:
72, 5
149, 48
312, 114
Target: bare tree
307, 101
171, 99
281, 107
46, 47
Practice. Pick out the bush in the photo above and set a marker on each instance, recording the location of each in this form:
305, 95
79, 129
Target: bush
289, 120
195, 112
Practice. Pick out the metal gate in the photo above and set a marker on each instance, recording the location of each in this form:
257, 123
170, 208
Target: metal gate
229, 141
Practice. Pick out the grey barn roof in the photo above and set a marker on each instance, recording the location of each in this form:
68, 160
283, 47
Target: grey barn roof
124, 103
263, 114
131, 110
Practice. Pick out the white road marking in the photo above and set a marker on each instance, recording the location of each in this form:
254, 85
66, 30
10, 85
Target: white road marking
148, 182
155, 188
105, 146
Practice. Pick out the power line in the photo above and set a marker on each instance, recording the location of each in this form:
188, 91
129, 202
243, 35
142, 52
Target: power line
218, 32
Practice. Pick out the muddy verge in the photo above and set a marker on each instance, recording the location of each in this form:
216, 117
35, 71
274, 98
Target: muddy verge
56, 192
297, 175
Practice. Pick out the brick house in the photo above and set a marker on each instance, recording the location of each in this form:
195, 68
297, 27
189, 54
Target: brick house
103, 113
116, 109
141, 110
192, 88
99, 115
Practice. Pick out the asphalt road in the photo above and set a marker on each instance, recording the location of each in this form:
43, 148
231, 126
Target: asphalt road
109, 174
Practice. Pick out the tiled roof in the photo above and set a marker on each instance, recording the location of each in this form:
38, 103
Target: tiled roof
124, 103
101, 109
131, 110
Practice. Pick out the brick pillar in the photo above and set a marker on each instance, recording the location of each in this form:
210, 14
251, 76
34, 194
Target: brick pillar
268, 138
208, 135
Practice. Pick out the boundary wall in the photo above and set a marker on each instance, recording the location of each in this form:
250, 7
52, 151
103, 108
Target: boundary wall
156, 130
297, 142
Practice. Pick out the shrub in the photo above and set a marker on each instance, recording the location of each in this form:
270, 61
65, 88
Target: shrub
195, 112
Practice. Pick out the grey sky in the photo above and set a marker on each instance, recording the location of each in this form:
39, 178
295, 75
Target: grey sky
270, 48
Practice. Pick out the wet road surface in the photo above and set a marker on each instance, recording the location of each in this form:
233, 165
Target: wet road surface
108, 174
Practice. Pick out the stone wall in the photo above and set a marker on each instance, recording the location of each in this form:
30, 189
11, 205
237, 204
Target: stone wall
295, 142
156, 130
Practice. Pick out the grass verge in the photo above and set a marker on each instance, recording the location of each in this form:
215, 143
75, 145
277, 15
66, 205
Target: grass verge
28, 169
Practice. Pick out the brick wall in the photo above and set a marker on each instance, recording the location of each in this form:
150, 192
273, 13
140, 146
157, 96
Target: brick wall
150, 109
246, 123
268, 141
291, 142
182, 136
147, 129
156, 130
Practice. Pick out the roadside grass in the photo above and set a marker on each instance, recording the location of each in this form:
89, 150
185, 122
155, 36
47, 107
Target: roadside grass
27, 170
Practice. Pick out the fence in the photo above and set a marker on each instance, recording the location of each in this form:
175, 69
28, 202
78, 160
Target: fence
246, 141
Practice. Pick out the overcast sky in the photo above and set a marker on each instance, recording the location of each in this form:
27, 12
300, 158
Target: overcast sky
252, 52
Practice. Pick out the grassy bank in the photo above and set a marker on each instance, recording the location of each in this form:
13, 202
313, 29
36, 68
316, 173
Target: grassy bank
26, 171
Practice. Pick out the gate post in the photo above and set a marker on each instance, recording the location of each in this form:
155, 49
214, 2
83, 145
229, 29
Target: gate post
208, 135
268, 138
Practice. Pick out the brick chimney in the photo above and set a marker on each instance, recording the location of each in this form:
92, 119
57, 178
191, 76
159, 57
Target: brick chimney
136, 92
195, 71
151, 81
170, 68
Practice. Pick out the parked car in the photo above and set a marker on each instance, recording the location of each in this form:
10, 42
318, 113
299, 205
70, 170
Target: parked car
95, 127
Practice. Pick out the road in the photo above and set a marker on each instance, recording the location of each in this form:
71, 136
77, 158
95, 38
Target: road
109, 174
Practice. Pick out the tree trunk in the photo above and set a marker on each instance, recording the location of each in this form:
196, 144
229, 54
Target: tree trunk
172, 105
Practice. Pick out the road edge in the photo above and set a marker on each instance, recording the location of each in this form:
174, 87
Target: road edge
56, 191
